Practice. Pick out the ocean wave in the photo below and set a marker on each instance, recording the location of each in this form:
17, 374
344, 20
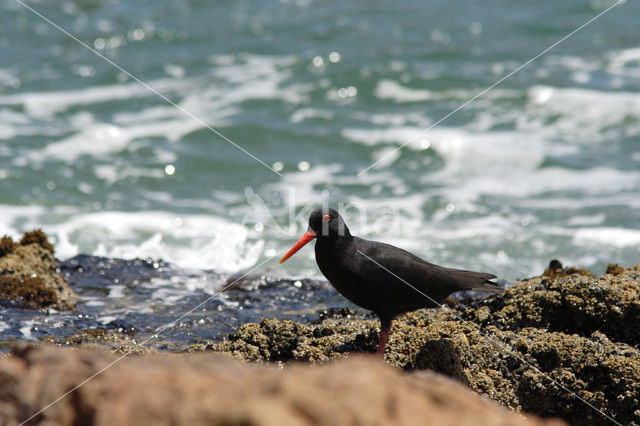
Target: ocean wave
205, 242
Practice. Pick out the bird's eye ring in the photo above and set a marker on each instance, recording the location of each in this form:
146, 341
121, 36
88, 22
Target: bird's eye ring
326, 218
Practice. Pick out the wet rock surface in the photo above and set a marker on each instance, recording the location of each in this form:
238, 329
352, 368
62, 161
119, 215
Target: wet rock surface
140, 296
206, 388
29, 276
118, 341
563, 344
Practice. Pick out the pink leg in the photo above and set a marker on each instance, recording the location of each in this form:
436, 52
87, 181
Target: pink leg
385, 331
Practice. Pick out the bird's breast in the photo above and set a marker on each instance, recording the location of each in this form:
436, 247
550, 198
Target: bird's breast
340, 265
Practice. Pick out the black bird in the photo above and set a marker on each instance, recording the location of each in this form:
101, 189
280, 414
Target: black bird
380, 277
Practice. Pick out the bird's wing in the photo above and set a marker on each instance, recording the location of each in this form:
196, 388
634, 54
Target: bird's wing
393, 261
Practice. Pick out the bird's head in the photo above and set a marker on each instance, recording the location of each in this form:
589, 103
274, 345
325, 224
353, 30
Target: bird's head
327, 223
324, 223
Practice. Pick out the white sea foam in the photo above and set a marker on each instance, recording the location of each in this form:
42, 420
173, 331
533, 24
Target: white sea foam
169, 295
617, 237
392, 90
550, 180
389, 89
106, 319
116, 291
466, 152
309, 113
625, 62
372, 137
188, 241
47, 104
582, 115
596, 219
101, 139
26, 329
112, 173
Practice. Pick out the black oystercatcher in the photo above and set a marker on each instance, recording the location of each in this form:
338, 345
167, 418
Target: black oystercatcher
379, 277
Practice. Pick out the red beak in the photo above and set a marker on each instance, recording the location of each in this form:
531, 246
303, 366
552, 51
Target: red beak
308, 236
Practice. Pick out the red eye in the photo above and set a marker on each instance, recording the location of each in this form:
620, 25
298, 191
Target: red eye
326, 218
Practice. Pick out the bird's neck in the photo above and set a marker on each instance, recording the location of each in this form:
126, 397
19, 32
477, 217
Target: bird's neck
334, 243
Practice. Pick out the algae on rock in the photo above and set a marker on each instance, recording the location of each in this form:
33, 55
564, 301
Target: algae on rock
28, 274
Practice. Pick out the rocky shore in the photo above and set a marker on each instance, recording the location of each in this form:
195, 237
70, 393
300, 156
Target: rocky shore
562, 345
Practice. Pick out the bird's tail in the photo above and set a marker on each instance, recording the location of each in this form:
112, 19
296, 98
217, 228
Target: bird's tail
488, 287
478, 281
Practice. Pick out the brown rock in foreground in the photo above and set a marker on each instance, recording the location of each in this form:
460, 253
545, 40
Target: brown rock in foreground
206, 388
28, 274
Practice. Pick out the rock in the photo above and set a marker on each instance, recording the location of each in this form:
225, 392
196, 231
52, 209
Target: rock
102, 338
574, 303
527, 348
28, 274
534, 369
209, 389
274, 340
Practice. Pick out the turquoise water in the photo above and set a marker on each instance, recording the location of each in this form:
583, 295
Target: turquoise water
545, 165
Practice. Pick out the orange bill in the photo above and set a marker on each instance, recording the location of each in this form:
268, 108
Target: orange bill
308, 236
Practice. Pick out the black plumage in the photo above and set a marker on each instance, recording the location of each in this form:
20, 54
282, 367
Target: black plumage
380, 277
